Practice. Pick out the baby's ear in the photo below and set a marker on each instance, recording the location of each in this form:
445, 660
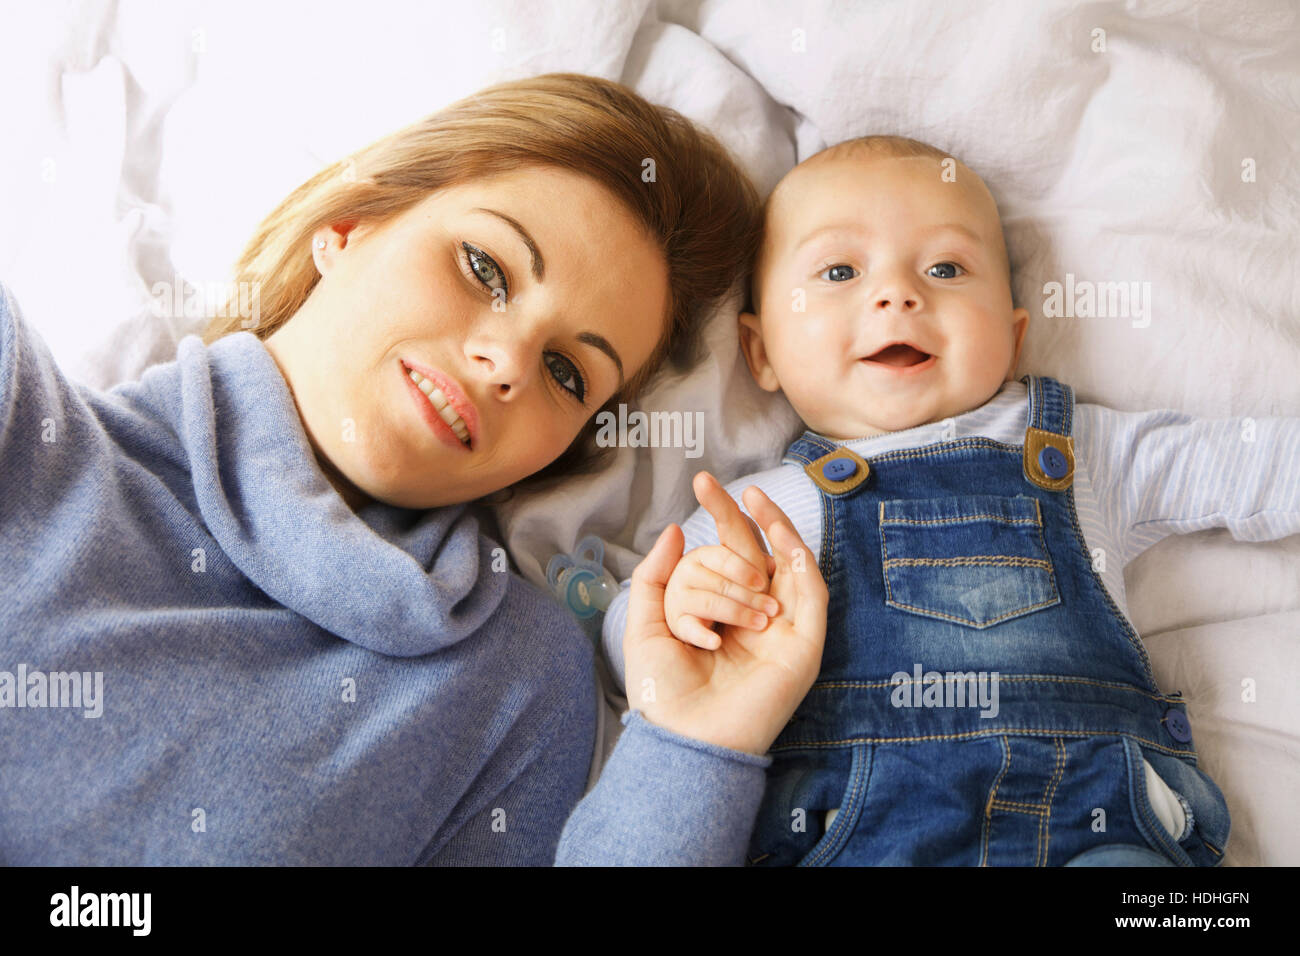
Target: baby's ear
751, 344
1020, 325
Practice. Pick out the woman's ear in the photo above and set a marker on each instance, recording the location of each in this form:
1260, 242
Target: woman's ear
328, 241
751, 343
1020, 325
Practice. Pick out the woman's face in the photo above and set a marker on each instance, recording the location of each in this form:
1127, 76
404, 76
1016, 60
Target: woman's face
522, 338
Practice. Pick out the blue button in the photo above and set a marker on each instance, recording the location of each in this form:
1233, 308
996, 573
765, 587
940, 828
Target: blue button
1179, 728
837, 469
1053, 462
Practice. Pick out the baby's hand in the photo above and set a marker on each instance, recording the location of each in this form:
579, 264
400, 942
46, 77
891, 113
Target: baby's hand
725, 583
711, 585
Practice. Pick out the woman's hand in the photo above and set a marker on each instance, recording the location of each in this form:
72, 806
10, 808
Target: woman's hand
743, 693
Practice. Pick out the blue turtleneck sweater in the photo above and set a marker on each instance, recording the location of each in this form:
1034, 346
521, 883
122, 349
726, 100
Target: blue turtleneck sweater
206, 657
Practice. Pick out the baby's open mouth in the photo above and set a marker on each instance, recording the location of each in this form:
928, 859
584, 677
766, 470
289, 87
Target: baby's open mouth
898, 355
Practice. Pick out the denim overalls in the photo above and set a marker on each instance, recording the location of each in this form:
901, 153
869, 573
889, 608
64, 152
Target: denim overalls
981, 700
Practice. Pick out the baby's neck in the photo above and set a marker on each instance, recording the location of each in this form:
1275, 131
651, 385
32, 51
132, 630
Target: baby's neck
874, 432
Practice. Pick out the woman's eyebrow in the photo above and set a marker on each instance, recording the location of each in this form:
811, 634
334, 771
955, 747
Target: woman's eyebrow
539, 267
602, 343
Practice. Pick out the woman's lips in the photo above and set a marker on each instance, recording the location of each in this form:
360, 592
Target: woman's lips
454, 397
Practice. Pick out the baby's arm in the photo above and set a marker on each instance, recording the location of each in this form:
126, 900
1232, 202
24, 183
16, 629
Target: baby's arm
1164, 472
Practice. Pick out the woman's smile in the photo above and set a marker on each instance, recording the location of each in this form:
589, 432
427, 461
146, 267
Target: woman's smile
443, 406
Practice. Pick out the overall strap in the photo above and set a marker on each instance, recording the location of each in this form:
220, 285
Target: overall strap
1049, 446
835, 469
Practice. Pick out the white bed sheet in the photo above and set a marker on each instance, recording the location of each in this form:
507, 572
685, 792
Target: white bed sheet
146, 140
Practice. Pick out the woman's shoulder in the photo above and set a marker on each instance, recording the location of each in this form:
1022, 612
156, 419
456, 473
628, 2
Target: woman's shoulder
548, 629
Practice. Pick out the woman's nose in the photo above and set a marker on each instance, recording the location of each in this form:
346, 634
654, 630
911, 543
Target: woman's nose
501, 363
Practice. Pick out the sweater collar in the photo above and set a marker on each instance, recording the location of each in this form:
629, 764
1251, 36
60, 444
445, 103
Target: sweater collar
393, 580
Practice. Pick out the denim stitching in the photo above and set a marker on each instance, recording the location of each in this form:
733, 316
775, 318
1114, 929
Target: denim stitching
1045, 825
993, 795
961, 620
944, 448
1003, 678
975, 734
974, 517
972, 560
828, 539
1037, 809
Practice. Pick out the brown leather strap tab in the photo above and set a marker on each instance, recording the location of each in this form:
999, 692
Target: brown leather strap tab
1036, 439
816, 471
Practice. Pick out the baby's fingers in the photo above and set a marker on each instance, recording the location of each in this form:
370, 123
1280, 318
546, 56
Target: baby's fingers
709, 605
722, 560
691, 630
721, 570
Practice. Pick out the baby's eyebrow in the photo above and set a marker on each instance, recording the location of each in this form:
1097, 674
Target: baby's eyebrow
957, 227
824, 230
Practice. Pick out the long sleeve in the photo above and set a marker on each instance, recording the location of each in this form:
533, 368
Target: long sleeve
42, 418
665, 800
1163, 472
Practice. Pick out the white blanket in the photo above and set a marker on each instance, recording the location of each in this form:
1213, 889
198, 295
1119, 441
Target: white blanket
1124, 142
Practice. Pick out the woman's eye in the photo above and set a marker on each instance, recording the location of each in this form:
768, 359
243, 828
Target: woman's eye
484, 269
843, 271
946, 270
567, 374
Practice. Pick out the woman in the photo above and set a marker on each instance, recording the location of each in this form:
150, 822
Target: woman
248, 615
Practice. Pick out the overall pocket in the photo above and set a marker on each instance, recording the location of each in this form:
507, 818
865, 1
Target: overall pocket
973, 560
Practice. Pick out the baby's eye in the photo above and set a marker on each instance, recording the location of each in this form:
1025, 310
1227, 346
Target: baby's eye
843, 271
947, 270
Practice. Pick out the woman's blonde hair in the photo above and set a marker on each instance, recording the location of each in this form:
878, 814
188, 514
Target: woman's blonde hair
676, 179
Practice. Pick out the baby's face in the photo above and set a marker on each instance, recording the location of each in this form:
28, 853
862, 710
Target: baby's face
885, 301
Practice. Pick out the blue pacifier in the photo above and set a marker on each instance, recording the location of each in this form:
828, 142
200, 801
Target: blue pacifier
581, 582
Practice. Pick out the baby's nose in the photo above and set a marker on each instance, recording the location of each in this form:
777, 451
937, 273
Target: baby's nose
904, 302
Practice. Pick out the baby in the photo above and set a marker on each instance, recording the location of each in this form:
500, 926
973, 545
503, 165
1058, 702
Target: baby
983, 698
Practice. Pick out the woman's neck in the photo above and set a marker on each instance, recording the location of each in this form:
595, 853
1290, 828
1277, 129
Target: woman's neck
352, 496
